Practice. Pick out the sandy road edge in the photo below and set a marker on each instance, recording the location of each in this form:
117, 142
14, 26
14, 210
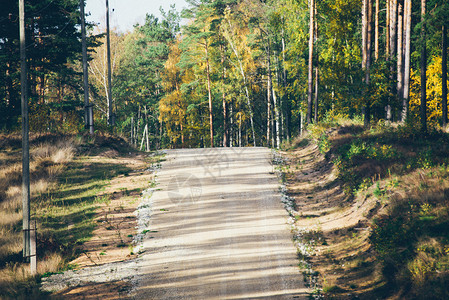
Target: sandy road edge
120, 277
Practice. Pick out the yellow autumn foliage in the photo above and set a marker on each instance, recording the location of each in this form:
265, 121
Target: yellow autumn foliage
434, 92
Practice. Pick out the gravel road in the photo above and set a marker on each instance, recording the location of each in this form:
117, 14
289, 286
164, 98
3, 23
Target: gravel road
218, 230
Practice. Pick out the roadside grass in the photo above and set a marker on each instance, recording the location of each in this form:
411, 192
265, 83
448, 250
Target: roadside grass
67, 190
404, 250
48, 157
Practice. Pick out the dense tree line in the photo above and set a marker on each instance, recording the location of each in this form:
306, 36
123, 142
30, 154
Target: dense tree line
241, 72
53, 48
257, 72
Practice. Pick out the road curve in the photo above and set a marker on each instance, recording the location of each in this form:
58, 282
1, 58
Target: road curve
218, 230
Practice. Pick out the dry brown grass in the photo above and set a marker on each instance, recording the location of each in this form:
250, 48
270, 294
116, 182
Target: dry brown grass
84, 205
47, 160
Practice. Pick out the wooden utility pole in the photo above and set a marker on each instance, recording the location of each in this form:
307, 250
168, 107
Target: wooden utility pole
88, 120
111, 120
25, 136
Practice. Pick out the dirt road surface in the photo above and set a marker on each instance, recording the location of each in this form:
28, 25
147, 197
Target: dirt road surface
218, 230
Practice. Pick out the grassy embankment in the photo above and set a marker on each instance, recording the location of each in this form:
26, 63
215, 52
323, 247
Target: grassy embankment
376, 204
84, 192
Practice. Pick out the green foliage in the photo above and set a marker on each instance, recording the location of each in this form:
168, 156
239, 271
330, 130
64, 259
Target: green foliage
381, 152
412, 242
52, 29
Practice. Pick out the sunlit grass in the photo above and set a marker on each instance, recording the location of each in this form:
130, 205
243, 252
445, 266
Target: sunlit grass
64, 197
404, 176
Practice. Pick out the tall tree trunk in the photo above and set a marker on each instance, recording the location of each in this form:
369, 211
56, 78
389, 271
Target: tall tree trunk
286, 100
240, 129
276, 109
310, 73
209, 93
393, 27
399, 71
87, 118
387, 29
423, 65
376, 38
225, 122
269, 114
407, 40
366, 61
269, 95
315, 118
444, 75
231, 124
225, 107
364, 32
182, 136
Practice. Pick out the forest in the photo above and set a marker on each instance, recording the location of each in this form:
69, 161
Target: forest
238, 73
353, 93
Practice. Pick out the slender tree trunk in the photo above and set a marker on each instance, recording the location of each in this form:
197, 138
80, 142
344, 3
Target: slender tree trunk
182, 136
276, 109
225, 107
286, 101
392, 48
132, 130
387, 29
270, 121
393, 27
87, 118
310, 74
209, 93
423, 65
269, 116
399, 71
369, 40
407, 40
376, 38
240, 130
231, 125
366, 59
225, 123
444, 75
315, 119
364, 32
